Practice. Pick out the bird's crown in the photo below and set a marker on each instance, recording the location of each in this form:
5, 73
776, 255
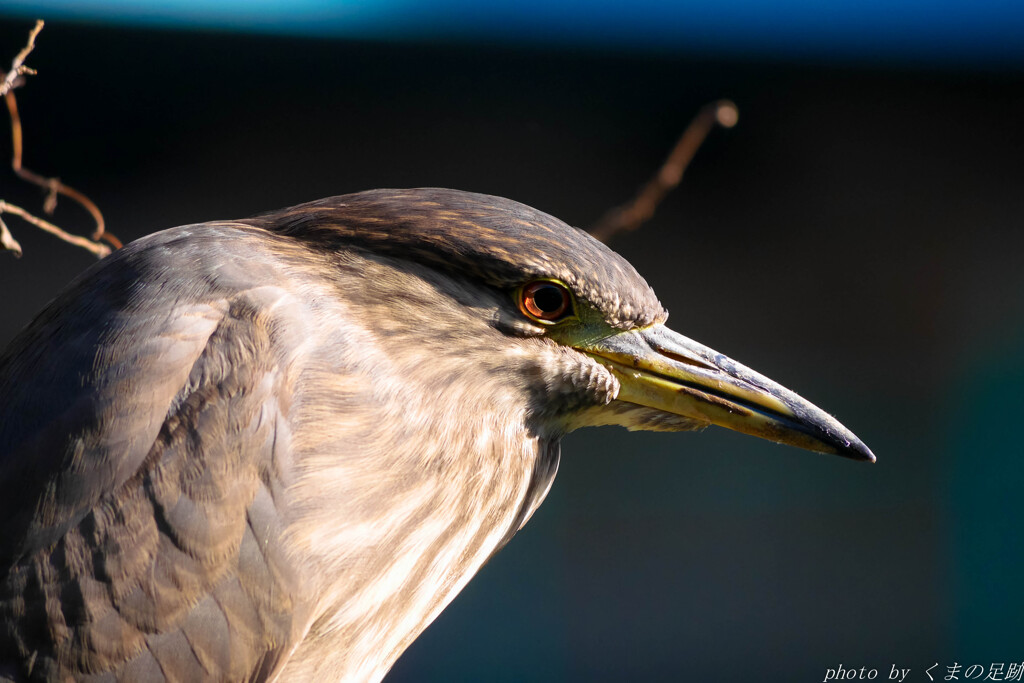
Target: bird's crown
499, 241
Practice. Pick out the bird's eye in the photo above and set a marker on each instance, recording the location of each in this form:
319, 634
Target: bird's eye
545, 301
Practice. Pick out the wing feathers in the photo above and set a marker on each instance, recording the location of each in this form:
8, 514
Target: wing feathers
154, 554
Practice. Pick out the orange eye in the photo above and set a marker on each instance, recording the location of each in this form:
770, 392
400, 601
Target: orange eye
545, 301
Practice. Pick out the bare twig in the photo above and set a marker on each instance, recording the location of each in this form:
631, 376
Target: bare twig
18, 68
99, 250
7, 241
639, 210
11, 80
53, 185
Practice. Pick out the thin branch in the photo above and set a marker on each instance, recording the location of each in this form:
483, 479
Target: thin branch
639, 210
11, 80
53, 185
98, 250
18, 68
7, 241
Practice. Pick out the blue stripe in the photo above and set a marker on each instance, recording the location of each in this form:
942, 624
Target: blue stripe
930, 31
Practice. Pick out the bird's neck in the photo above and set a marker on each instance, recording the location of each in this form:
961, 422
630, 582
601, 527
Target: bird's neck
425, 473
411, 545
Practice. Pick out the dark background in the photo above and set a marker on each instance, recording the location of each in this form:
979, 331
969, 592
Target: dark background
857, 237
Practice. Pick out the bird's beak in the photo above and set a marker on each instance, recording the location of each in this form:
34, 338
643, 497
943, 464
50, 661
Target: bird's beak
661, 369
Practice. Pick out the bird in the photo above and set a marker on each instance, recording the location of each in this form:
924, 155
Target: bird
274, 449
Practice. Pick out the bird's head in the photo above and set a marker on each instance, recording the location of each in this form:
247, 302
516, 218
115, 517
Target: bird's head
604, 353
